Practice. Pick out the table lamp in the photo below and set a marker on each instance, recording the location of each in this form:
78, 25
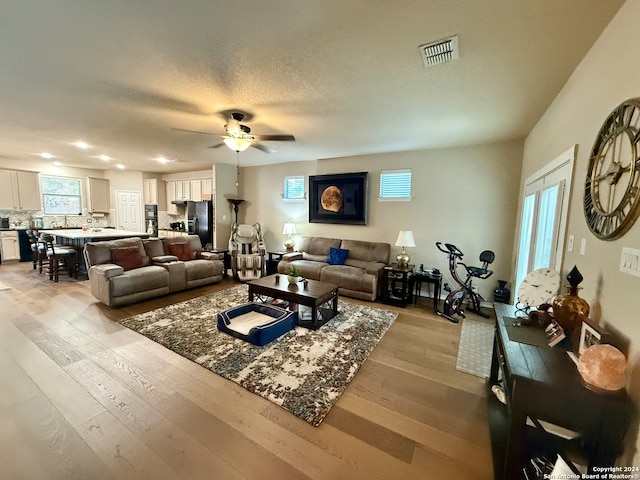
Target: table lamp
289, 229
405, 239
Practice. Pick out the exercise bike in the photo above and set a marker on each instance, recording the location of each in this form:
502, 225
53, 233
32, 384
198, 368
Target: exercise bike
454, 303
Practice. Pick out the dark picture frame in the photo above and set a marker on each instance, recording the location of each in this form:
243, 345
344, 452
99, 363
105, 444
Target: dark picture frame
592, 334
338, 198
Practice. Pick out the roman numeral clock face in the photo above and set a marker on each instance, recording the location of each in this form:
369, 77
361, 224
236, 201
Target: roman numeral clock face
612, 186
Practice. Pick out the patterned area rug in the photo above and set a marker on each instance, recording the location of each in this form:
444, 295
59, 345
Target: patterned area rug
475, 348
303, 371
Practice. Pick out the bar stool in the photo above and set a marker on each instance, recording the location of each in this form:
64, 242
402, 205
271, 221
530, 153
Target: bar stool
60, 257
37, 250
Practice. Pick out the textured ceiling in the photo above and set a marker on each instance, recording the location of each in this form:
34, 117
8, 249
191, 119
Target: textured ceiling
344, 77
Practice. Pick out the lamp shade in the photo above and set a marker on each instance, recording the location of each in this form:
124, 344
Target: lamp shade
289, 229
405, 239
237, 144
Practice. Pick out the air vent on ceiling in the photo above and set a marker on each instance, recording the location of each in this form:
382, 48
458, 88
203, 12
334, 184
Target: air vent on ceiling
439, 52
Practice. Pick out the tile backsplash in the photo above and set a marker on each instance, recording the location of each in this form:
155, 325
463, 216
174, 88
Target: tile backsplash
25, 219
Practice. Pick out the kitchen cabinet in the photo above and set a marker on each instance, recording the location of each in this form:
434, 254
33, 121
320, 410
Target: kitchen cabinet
183, 190
6, 192
28, 191
150, 191
207, 189
20, 190
195, 189
99, 195
171, 196
9, 245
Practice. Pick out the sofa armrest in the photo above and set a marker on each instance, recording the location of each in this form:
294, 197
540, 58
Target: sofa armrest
375, 268
210, 256
107, 270
290, 257
164, 259
99, 276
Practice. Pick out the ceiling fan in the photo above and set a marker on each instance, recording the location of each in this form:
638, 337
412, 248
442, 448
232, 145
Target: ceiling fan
238, 136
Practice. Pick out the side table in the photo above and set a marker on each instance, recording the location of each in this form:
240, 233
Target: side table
226, 260
428, 277
397, 285
274, 259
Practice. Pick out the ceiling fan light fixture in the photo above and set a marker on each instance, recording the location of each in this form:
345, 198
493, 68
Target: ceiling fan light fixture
237, 144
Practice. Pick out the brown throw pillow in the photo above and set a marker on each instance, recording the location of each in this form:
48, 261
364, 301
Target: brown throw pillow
181, 250
127, 257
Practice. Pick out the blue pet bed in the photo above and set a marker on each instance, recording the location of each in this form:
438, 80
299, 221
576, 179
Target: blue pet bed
257, 323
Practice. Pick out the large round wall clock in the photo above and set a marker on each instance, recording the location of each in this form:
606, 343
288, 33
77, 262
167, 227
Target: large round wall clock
612, 186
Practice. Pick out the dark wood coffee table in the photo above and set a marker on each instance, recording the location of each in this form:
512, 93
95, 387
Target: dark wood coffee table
313, 294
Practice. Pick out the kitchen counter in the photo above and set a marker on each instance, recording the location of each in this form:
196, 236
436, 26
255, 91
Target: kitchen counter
90, 234
77, 238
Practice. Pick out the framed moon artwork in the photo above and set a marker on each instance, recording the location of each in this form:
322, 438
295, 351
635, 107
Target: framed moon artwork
338, 198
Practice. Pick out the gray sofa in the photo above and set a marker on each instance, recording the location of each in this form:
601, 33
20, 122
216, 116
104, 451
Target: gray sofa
360, 276
130, 270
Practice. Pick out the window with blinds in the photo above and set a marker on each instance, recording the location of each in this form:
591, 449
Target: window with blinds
60, 195
293, 189
395, 185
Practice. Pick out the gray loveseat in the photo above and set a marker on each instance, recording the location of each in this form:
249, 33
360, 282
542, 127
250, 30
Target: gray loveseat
131, 270
359, 276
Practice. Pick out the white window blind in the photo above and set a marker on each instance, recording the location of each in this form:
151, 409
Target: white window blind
293, 188
395, 185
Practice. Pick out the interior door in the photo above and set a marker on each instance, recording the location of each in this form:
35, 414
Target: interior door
129, 213
544, 213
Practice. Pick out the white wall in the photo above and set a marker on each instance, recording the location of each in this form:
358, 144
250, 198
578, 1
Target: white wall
466, 196
608, 75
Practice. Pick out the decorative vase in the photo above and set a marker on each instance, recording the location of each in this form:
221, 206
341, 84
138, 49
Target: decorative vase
569, 309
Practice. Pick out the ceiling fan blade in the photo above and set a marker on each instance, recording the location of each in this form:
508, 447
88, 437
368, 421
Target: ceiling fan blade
193, 131
278, 138
217, 145
262, 147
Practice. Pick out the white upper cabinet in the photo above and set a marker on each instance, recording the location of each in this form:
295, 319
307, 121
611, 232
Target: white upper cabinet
150, 191
99, 195
29, 191
19, 190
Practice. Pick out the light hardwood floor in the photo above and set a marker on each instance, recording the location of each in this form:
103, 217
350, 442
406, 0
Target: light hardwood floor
82, 397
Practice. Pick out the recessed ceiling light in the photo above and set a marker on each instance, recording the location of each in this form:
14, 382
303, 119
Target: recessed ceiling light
164, 160
82, 145
104, 158
57, 164
120, 166
47, 155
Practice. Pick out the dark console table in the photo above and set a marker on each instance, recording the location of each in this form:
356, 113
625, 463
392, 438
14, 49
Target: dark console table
542, 383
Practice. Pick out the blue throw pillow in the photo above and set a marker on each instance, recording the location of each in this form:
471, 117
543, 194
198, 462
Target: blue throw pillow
337, 256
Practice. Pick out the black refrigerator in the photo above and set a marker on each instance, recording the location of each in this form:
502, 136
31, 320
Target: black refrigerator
200, 220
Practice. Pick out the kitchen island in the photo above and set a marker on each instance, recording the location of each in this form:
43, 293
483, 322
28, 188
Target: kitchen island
77, 237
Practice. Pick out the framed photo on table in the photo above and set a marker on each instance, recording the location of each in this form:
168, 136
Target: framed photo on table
592, 334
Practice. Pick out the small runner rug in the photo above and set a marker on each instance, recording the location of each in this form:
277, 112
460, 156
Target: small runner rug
475, 348
303, 371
